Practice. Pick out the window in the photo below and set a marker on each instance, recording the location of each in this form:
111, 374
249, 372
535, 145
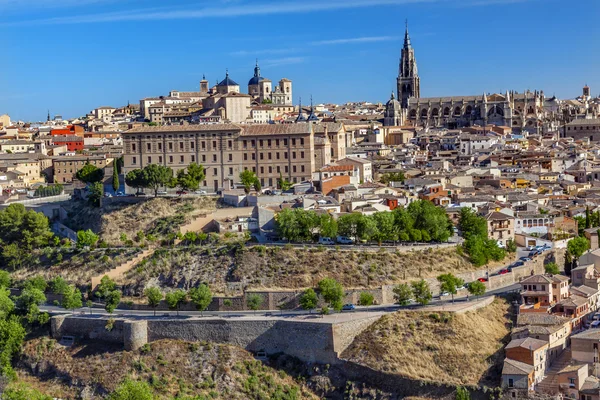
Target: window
149, 160
302, 168
230, 157
171, 159
287, 169
253, 156
203, 145
133, 160
262, 156
214, 158
301, 141
170, 146
269, 156
276, 142
294, 169
293, 142
511, 383
230, 171
148, 146
254, 169
245, 157
193, 158
160, 159
132, 146
181, 159
278, 169
285, 155
245, 143
160, 146
262, 170
215, 171
270, 170
277, 155
285, 142
230, 143
214, 144
269, 142
192, 145
253, 143
294, 155
181, 146
203, 158
302, 156
260, 142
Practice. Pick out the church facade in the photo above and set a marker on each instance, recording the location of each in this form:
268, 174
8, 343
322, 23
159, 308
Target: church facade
522, 111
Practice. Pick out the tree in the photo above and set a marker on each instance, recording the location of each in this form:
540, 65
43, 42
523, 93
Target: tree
5, 279
58, 285
6, 304
132, 390
587, 218
254, 301
357, 226
112, 300
403, 294
462, 394
450, 284
511, 246
201, 297
135, 179
332, 292
428, 217
96, 193
328, 226
309, 300
36, 282
470, 224
551, 268
366, 299
21, 391
386, 226
577, 246
257, 186
29, 301
115, 177
476, 288
86, 239
247, 179
106, 285
72, 298
26, 228
421, 292
154, 296
12, 333
156, 176
175, 299
90, 174
190, 178
14, 255
283, 183
392, 177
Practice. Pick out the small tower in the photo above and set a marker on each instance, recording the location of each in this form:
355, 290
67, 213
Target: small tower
301, 117
48, 120
409, 83
312, 117
393, 112
586, 92
204, 84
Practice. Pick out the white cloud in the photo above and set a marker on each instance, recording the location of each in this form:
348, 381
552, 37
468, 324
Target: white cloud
283, 61
225, 10
263, 52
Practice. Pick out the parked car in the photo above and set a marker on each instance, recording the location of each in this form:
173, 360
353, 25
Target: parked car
348, 307
531, 247
120, 194
162, 193
200, 192
503, 271
344, 240
482, 280
107, 195
518, 264
181, 192
141, 194
525, 259
444, 294
595, 325
326, 241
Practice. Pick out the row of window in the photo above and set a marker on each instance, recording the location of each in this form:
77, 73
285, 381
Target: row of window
203, 144
587, 128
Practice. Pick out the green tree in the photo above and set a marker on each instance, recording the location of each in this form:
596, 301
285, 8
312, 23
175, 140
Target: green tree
5, 279
106, 285
568, 263
403, 294
21, 391
309, 300
156, 176
26, 228
471, 224
175, 299
132, 390
135, 179
462, 394
87, 238
254, 301
551, 268
283, 183
190, 178
511, 246
247, 179
257, 186
154, 296
476, 288
366, 299
14, 255
332, 292
72, 298
386, 226
577, 246
28, 303
112, 300
96, 193
115, 177
7, 306
58, 285
421, 292
327, 225
450, 284
36, 282
428, 217
392, 177
90, 174
201, 297
357, 226
12, 334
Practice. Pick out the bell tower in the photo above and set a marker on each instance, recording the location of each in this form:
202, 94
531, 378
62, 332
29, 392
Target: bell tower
409, 83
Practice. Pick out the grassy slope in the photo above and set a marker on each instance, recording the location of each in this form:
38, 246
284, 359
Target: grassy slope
283, 268
458, 349
171, 368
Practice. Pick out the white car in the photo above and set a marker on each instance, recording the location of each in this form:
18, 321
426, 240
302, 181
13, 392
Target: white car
200, 192
326, 241
344, 240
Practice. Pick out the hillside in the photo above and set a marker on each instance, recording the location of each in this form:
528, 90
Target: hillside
172, 368
289, 268
156, 216
464, 349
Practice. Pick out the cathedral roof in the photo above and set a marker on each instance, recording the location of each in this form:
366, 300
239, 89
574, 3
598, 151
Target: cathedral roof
227, 81
256, 79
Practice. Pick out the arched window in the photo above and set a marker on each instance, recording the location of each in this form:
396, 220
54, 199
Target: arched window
435, 112
495, 111
457, 111
469, 110
424, 113
530, 110
446, 111
413, 113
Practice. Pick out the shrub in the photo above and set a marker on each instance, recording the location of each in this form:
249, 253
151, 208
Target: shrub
366, 299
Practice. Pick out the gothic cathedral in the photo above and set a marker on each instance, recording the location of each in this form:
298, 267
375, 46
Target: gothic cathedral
409, 84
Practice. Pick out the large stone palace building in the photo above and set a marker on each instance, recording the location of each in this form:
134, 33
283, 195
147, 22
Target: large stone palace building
293, 151
528, 111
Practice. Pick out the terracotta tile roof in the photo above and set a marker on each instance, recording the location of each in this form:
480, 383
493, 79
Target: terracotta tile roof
337, 168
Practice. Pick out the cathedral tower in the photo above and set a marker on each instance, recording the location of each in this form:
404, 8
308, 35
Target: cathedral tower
409, 84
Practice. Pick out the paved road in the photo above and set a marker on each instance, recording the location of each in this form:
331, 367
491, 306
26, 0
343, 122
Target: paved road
360, 312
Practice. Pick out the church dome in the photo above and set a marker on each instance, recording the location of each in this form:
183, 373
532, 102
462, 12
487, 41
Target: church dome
227, 81
256, 79
393, 104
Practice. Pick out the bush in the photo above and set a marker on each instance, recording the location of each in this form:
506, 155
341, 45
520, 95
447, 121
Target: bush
551, 268
366, 299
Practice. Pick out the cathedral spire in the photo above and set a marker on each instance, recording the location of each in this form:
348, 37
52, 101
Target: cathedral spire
257, 69
406, 36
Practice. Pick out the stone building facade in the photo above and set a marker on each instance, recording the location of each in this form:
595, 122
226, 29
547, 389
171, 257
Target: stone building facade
225, 150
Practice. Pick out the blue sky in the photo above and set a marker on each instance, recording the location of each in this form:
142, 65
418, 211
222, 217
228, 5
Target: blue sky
71, 56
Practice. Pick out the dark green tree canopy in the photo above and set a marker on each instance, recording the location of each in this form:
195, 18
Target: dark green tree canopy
90, 173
